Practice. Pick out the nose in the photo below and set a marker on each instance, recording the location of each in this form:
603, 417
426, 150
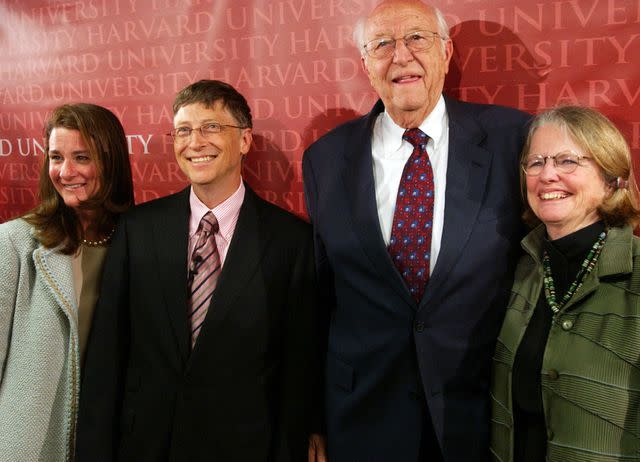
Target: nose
401, 53
549, 171
196, 139
67, 170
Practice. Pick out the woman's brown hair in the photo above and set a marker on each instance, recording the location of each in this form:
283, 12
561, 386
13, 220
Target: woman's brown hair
57, 225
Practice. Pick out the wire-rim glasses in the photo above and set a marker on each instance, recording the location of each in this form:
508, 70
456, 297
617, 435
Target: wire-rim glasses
384, 47
182, 134
564, 162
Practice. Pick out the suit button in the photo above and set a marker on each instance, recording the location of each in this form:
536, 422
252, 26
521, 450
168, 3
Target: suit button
418, 326
553, 374
567, 324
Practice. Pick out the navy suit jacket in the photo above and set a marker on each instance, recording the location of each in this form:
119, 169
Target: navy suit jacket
389, 357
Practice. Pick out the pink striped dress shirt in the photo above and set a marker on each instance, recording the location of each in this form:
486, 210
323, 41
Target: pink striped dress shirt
227, 215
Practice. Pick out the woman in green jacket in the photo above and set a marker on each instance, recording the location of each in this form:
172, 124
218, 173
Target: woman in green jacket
566, 372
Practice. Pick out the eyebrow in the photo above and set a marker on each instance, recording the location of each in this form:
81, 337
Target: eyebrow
410, 30
204, 121
79, 151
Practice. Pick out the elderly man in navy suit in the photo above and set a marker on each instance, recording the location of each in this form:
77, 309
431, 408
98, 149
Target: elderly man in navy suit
416, 217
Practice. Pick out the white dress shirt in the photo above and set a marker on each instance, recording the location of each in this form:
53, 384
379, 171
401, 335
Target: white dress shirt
390, 153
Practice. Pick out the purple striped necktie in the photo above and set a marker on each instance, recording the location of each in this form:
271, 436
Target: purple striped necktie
204, 269
410, 245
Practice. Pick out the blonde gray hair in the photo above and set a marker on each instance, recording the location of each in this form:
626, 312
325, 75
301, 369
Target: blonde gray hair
599, 139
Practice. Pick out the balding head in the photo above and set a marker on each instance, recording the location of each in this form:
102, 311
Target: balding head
409, 80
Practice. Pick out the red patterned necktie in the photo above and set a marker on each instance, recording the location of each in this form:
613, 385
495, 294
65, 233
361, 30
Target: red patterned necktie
204, 270
410, 245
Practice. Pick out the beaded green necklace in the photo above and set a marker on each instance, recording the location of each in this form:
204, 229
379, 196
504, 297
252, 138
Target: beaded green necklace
586, 268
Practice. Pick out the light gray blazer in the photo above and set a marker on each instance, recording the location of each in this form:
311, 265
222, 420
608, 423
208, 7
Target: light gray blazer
39, 355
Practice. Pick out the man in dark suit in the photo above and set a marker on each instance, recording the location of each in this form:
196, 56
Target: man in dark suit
416, 235
204, 340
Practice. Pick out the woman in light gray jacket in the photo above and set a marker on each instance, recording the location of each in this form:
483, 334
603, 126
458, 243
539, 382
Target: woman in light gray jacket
50, 266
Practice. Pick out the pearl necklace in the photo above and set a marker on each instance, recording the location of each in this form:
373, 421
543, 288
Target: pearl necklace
587, 266
102, 242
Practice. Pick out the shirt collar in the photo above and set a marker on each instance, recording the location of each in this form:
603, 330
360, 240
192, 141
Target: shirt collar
433, 126
226, 212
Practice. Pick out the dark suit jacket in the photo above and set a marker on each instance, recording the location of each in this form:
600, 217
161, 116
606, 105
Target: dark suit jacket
246, 390
386, 354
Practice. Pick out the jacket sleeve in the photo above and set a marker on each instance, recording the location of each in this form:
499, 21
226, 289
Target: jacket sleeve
300, 397
10, 270
324, 290
107, 351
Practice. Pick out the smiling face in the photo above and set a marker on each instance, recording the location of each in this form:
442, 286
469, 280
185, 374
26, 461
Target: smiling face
564, 202
409, 84
212, 164
72, 169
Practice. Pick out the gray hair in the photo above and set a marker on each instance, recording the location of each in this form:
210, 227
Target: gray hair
358, 30
601, 140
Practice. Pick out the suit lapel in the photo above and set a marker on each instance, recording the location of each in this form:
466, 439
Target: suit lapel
360, 187
467, 173
171, 235
249, 240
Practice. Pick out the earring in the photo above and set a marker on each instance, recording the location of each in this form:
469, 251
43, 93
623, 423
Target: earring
621, 183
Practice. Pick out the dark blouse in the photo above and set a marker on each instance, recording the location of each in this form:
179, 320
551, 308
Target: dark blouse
566, 256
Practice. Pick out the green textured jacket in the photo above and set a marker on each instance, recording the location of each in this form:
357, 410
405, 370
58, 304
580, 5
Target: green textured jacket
591, 368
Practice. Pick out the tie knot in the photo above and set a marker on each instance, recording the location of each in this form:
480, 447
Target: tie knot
416, 137
209, 223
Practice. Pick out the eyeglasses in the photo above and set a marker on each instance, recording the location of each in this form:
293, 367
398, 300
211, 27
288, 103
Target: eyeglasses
419, 40
564, 162
182, 134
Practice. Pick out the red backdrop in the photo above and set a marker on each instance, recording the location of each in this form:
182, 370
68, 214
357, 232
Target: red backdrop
295, 62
